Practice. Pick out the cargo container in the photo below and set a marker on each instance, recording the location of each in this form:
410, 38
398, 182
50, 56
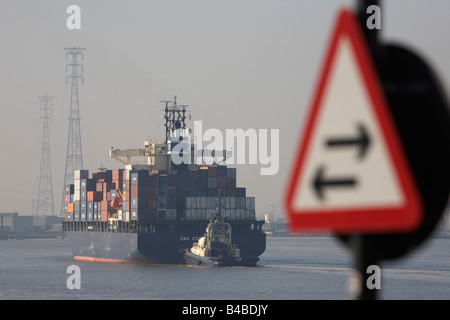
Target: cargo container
221, 171
69, 189
76, 206
230, 202
171, 202
231, 173
212, 171
139, 177
211, 202
212, 182
240, 214
117, 174
162, 214
81, 174
171, 214
250, 203
241, 192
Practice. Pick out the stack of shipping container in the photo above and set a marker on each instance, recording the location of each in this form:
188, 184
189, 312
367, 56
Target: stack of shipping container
147, 196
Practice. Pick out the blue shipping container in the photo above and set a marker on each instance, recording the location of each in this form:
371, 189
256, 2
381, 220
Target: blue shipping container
139, 177
240, 192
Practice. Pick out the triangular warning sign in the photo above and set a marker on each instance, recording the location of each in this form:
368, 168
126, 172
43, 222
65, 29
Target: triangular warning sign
351, 172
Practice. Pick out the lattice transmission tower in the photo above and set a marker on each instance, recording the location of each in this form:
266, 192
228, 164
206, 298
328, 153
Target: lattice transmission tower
44, 205
74, 155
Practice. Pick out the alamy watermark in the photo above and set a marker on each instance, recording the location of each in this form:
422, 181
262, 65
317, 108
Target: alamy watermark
372, 276
235, 146
374, 21
73, 21
74, 280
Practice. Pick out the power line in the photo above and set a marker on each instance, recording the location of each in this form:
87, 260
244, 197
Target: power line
44, 205
74, 155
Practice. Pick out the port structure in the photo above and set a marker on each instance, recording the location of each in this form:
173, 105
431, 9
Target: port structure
74, 155
44, 205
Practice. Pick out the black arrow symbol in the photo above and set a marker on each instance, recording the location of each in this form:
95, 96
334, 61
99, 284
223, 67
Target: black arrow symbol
319, 182
362, 141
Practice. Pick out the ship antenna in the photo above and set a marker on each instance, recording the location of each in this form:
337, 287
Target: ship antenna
175, 116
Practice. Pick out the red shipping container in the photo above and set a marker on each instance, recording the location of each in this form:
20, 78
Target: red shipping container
117, 174
153, 193
104, 205
99, 187
94, 196
104, 216
212, 171
134, 190
137, 190
115, 203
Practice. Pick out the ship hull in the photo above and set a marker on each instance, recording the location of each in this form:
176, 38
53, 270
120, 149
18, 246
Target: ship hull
162, 247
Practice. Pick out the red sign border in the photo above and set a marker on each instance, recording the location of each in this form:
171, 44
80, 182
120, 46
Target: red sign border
361, 219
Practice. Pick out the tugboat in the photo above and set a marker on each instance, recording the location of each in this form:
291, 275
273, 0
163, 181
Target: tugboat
215, 248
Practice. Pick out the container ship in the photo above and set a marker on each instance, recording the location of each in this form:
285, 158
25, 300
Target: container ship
150, 211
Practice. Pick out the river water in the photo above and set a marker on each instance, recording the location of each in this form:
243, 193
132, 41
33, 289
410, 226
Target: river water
306, 268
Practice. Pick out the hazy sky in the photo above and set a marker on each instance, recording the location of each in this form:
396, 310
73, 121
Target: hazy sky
236, 63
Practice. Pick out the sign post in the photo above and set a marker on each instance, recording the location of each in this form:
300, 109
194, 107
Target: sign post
372, 165
363, 246
351, 173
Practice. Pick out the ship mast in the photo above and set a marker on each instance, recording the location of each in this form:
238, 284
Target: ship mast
175, 117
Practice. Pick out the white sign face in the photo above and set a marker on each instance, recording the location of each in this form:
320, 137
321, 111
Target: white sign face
351, 172
347, 162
